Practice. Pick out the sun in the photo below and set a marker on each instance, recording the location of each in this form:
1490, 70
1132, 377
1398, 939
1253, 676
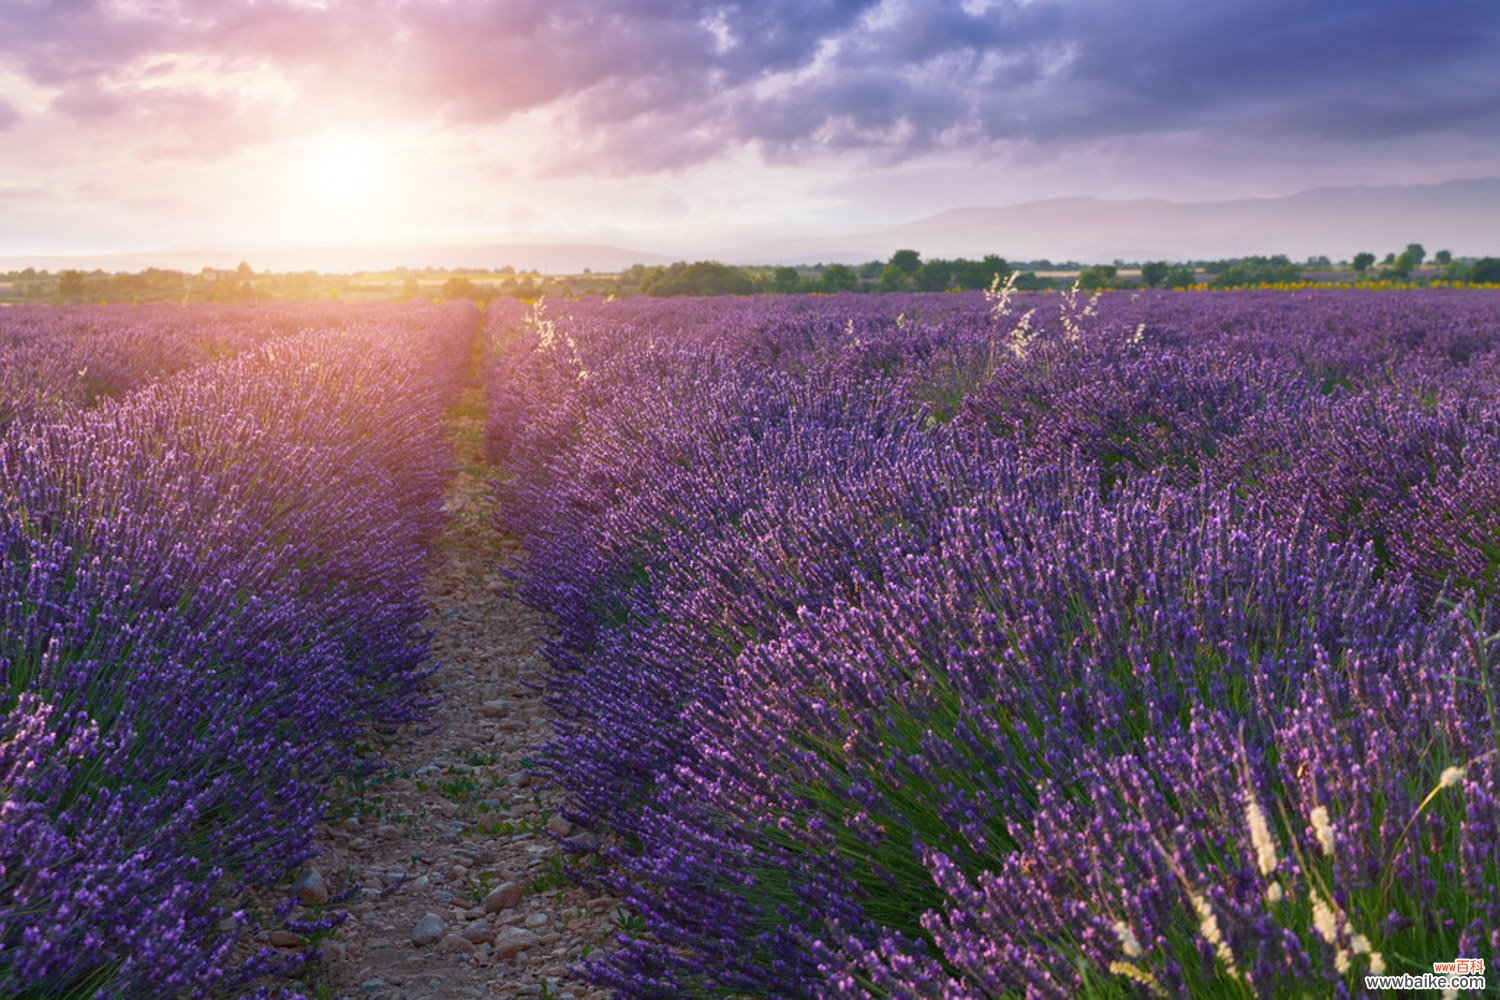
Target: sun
343, 171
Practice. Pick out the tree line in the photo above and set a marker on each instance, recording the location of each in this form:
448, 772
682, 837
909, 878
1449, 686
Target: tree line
905, 270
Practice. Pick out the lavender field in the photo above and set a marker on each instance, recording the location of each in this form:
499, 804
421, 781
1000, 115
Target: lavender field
951, 646
988, 646
212, 533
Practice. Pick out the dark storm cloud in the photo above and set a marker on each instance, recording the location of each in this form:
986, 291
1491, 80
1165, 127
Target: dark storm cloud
653, 83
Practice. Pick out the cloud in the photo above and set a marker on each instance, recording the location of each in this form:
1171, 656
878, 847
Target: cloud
9, 116
656, 84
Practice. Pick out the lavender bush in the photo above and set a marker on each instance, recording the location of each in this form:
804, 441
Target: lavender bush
964, 646
210, 589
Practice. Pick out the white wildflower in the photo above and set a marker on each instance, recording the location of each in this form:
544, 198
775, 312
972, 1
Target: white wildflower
1128, 942
1377, 963
1322, 828
1324, 921
1138, 974
1451, 776
1260, 835
1274, 893
1021, 337
1208, 926
1359, 943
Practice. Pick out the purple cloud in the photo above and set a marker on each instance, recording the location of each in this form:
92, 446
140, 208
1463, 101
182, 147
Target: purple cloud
650, 84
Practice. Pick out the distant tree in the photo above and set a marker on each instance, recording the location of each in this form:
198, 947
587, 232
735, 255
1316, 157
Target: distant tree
1443, 257
906, 261
703, 277
933, 276
870, 270
1029, 281
70, 284
1319, 260
461, 288
1180, 277
1154, 272
244, 272
1097, 276
892, 278
1416, 252
409, 289
1248, 271
979, 273
784, 280
1485, 270
1388, 259
996, 266
1362, 261
839, 278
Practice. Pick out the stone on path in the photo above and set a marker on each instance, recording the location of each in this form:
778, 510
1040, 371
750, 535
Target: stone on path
310, 887
428, 930
513, 940
452, 943
502, 897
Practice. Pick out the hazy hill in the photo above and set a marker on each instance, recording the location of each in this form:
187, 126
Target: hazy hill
1462, 216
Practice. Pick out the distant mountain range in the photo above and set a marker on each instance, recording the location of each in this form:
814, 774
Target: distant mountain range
1462, 216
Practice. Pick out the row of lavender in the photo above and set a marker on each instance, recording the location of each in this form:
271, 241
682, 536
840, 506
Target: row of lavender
974, 646
52, 357
210, 588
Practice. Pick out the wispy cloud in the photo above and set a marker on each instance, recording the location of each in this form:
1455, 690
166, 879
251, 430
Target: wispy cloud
641, 88
897, 77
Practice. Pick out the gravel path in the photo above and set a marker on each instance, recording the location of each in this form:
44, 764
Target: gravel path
462, 892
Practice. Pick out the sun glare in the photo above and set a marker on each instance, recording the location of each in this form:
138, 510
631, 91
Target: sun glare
343, 171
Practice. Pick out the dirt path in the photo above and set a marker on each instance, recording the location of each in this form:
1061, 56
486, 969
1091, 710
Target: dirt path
463, 892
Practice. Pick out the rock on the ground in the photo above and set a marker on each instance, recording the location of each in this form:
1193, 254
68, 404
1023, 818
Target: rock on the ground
513, 940
428, 930
310, 887
559, 827
285, 939
496, 708
502, 897
452, 943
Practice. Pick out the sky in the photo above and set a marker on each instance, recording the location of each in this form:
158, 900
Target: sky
139, 124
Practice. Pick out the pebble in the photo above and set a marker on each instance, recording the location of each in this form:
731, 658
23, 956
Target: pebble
495, 709
453, 944
559, 827
502, 897
310, 887
428, 930
285, 939
512, 941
